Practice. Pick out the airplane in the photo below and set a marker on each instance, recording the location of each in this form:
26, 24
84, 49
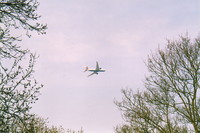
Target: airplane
95, 71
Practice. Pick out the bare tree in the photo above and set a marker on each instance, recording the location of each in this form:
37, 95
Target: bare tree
21, 13
123, 129
171, 102
18, 88
15, 14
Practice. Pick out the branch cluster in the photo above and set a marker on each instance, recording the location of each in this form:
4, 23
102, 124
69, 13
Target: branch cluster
171, 101
18, 87
21, 13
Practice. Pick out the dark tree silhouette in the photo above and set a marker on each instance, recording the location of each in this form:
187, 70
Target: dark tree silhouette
18, 88
171, 102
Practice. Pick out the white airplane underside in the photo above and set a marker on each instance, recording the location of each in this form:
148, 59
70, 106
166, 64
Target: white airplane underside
95, 71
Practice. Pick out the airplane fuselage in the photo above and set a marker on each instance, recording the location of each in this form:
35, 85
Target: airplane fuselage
94, 71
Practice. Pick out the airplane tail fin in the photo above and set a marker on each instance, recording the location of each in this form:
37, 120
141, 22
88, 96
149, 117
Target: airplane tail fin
86, 69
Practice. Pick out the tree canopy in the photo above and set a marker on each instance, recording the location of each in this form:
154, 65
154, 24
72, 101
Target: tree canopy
21, 13
171, 101
18, 87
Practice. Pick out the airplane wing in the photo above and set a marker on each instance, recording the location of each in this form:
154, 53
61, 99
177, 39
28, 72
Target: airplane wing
97, 66
91, 74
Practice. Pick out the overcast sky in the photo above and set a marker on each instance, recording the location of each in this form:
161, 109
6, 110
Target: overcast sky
119, 34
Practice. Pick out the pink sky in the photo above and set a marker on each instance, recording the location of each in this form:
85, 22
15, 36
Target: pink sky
119, 34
